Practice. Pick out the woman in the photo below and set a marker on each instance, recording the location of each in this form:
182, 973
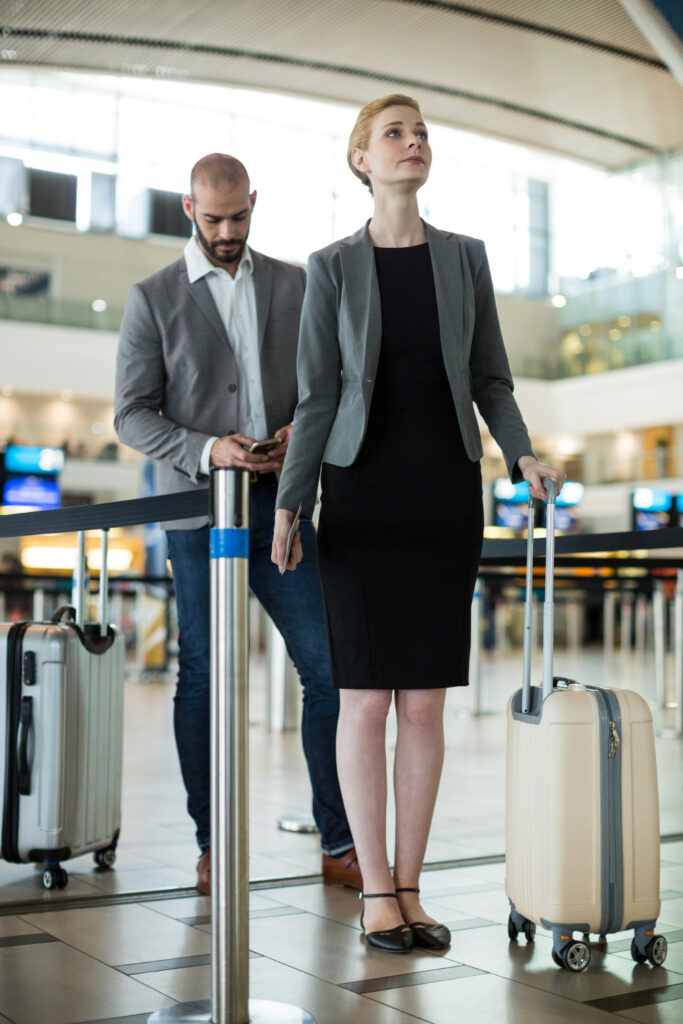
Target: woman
399, 333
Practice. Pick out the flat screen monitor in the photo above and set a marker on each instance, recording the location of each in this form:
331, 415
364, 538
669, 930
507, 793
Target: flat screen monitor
30, 491
25, 458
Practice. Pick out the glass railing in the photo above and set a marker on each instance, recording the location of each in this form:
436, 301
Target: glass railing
563, 356
43, 309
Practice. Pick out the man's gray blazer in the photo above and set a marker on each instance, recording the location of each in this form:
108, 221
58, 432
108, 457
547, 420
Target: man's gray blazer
176, 379
339, 347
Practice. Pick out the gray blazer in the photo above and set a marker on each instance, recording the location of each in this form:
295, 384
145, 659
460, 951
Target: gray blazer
339, 346
176, 381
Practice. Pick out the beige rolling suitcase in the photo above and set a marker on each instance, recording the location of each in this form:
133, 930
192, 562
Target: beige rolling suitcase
582, 811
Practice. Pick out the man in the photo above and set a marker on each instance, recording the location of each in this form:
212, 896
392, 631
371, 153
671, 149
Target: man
206, 366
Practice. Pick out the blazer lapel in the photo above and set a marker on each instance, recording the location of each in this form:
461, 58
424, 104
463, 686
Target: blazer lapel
263, 286
362, 296
199, 290
448, 283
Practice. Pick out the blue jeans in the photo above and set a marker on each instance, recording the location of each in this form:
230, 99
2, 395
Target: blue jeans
294, 603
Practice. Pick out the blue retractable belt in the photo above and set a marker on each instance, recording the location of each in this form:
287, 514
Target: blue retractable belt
229, 543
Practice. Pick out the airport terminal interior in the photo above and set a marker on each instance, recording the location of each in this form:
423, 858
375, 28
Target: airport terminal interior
557, 133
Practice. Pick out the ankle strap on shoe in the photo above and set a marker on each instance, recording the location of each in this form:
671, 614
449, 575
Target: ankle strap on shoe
378, 895
406, 889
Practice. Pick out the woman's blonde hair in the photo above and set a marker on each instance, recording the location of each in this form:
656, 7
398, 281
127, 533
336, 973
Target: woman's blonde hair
360, 135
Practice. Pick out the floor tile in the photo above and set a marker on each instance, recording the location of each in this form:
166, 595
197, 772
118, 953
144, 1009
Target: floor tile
16, 926
55, 984
489, 949
487, 998
187, 906
123, 934
330, 951
662, 1013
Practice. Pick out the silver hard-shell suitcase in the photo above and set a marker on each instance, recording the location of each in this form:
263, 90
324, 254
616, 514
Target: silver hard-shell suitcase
61, 740
582, 811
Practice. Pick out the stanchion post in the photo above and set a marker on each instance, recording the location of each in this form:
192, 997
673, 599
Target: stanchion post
229, 556
626, 622
38, 604
609, 604
678, 653
475, 650
78, 591
104, 583
658, 608
641, 625
283, 684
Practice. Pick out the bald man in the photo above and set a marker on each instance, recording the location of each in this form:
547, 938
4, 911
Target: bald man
206, 366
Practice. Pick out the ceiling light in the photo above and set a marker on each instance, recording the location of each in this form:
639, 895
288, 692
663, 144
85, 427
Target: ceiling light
14, 219
679, 271
585, 330
98, 305
559, 301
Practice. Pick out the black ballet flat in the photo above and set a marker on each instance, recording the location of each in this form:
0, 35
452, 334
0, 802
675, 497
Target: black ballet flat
392, 940
428, 936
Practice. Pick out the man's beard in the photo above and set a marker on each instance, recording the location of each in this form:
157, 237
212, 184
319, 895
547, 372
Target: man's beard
214, 252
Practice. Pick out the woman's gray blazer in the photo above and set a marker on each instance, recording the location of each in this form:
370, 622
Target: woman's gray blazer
339, 344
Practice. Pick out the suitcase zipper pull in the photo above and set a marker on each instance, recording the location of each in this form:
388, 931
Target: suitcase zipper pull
614, 741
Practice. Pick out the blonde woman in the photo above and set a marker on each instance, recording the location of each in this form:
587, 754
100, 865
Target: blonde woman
399, 336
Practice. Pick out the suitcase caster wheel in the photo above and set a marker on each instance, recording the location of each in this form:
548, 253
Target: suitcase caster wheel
636, 955
55, 878
105, 858
656, 950
529, 931
512, 929
576, 956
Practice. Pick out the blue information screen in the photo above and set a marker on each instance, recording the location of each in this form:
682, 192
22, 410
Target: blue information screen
24, 458
31, 491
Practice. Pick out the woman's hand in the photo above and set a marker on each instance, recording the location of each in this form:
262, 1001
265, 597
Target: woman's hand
533, 472
283, 522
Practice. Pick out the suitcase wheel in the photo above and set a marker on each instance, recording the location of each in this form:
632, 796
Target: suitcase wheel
105, 858
575, 956
55, 878
656, 950
528, 927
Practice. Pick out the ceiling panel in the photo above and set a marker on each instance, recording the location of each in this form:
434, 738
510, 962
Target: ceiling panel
564, 88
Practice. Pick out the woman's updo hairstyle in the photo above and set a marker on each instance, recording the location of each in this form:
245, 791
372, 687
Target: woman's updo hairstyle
360, 135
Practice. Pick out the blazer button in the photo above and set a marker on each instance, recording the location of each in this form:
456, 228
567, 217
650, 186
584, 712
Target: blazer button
232, 387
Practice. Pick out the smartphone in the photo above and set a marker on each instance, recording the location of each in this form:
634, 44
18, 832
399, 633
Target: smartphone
262, 447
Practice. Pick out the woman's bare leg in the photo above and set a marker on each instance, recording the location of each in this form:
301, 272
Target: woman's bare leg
417, 771
361, 763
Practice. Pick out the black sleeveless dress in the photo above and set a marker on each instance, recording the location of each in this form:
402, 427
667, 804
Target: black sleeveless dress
401, 529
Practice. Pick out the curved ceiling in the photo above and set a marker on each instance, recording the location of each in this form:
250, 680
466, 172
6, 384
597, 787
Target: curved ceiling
576, 78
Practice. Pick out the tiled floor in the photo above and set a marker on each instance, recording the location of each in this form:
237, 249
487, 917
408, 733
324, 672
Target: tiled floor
118, 945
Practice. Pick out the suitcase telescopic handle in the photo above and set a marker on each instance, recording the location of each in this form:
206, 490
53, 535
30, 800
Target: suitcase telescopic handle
550, 485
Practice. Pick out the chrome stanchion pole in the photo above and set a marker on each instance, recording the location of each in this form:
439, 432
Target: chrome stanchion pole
626, 622
475, 650
283, 685
678, 653
78, 590
609, 605
658, 609
641, 625
229, 552
38, 604
104, 583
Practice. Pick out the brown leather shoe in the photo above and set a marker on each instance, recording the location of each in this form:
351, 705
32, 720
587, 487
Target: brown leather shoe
343, 870
204, 873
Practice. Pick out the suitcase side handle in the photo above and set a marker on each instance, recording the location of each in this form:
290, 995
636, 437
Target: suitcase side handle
25, 726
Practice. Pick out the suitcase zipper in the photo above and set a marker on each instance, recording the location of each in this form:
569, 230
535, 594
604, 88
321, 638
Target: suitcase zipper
610, 811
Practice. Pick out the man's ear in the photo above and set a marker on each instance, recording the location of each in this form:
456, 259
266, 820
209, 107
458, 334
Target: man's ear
188, 207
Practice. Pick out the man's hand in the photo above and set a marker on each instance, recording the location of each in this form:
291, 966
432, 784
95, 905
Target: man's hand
232, 450
278, 454
533, 472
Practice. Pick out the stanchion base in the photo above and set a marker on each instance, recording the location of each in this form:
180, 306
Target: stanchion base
297, 823
261, 1011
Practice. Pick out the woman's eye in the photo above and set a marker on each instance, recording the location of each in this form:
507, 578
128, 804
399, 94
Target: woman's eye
394, 131
422, 135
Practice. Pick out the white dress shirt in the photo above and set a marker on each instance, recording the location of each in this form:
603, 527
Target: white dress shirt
236, 304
